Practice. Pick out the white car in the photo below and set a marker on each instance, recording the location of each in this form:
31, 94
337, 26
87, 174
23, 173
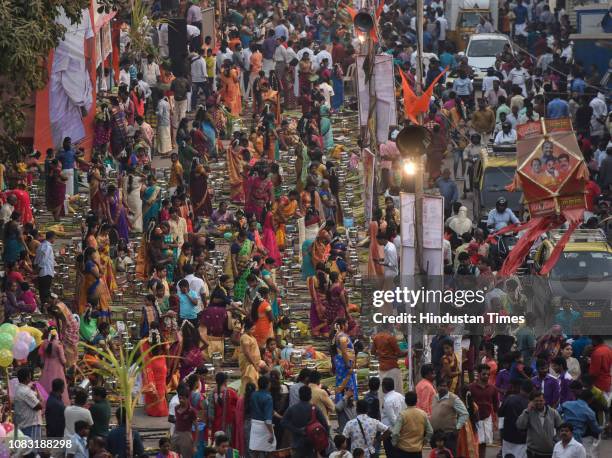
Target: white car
482, 50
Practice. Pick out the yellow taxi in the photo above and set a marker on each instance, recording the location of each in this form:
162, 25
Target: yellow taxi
582, 276
493, 171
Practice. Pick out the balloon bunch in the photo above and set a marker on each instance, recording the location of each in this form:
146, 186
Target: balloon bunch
14, 344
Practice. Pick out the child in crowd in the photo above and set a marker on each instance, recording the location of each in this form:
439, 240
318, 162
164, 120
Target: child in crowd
341, 444
28, 297
438, 449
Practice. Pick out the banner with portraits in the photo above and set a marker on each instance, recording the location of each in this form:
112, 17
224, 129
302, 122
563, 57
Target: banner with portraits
550, 167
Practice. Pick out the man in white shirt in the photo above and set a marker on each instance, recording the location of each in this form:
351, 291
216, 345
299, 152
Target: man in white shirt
518, 76
598, 118
172, 405
77, 412
487, 81
199, 76
568, 447
441, 28
507, 136
390, 261
196, 284
124, 75
327, 90
393, 402
45, 262
150, 71
280, 58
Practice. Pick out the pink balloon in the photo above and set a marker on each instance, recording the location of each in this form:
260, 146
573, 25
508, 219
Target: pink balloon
8, 427
21, 350
22, 335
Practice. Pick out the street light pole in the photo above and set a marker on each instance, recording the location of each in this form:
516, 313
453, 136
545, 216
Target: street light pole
415, 171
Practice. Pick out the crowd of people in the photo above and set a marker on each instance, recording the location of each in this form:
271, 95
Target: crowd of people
210, 263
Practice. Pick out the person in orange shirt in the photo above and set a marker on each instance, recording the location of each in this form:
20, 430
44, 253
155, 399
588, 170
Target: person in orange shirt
256, 66
386, 349
425, 390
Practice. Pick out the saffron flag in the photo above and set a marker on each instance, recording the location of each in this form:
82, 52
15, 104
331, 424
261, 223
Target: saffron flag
410, 98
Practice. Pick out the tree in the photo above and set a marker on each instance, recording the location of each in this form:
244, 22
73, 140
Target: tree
28, 32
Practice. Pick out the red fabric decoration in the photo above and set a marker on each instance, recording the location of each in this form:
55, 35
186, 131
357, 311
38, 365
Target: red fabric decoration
556, 252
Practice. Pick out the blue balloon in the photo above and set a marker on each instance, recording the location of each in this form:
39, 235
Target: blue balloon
32, 345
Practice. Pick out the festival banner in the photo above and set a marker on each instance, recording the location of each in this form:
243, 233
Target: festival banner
384, 90
550, 168
368, 159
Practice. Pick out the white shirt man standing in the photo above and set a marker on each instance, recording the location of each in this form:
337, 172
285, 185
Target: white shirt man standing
568, 447
45, 262
150, 71
393, 402
390, 261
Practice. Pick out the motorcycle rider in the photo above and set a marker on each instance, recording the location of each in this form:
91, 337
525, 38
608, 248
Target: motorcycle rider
501, 216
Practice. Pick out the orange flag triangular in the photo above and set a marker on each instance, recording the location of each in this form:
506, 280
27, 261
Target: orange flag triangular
410, 98
423, 102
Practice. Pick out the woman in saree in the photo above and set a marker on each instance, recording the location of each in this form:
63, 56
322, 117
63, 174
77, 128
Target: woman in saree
190, 352
305, 71
235, 169
258, 192
96, 189
230, 89
549, 345
14, 243
222, 218
56, 190
201, 194
221, 409
337, 305
267, 274
321, 247
118, 127
269, 237
249, 358
67, 328
318, 287
338, 85
241, 252
283, 210
116, 212
151, 201
376, 251
308, 269
343, 360
154, 374
132, 188
106, 263
326, 128
263, 317
93, 287
467, 436
450, 367
150, 314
